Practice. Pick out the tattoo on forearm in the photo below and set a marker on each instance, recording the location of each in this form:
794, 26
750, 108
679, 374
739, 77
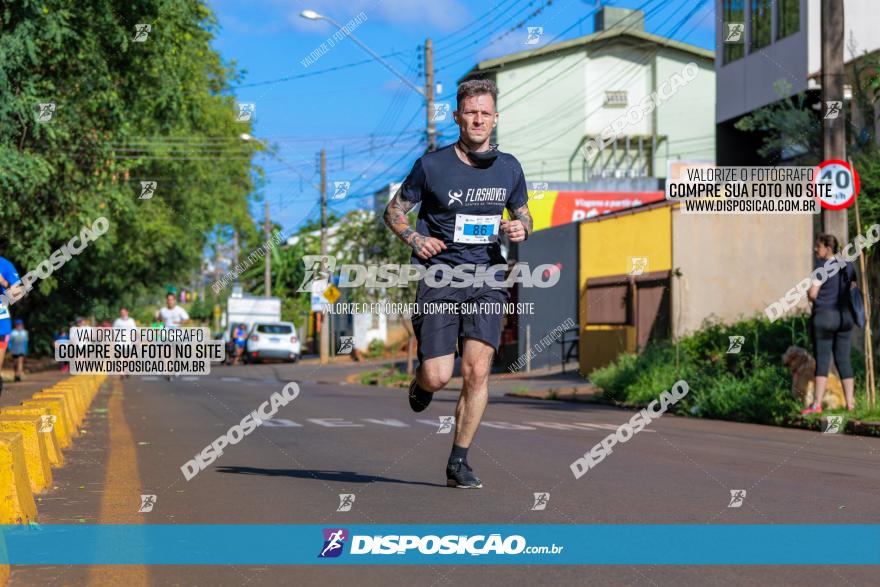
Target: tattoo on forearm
522, 214
395, 218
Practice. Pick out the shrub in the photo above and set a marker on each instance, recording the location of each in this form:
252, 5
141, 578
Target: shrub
375, 349
749, 386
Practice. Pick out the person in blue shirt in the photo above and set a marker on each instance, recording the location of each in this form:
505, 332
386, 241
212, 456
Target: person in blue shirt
832, 325
240, 339
10, 287
18, 347
61, 338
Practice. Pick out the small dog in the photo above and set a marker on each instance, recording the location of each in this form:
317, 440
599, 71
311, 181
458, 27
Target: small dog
803, 372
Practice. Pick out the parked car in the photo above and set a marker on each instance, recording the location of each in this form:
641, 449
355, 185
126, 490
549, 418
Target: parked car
273, 340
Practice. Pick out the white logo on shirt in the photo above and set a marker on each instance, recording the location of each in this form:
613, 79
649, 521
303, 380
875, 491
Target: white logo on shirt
455, 197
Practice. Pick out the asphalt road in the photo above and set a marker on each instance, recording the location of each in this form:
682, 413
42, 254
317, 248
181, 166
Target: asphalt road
349, 439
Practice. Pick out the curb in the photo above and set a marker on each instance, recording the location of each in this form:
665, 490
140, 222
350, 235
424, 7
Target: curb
31, 438
575, 394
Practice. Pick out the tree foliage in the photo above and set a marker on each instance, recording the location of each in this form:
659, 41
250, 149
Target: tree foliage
791, 127
125, 112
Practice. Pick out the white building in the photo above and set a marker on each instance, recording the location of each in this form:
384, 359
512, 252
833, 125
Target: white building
778, 40
554, 99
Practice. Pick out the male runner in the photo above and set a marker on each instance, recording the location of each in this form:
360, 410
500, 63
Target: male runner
172, 315
11, 286
124, 322
463, 190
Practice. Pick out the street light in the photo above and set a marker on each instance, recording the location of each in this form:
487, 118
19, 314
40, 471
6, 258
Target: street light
312, 15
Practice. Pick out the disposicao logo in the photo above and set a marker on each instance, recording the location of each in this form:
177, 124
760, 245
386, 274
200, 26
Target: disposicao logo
334, 541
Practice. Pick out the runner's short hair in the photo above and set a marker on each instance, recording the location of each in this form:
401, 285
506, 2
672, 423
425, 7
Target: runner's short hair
475, 87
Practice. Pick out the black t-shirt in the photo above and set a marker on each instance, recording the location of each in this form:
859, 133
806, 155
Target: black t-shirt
831, 293
462, 205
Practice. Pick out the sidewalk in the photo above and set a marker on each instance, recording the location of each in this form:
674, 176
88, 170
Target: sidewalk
15, 393
544, 383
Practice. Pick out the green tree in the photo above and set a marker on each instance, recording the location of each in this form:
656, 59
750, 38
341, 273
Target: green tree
790, 126
124, 112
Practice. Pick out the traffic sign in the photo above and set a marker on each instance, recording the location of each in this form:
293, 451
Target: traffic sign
844, 180
319, 286
332, 293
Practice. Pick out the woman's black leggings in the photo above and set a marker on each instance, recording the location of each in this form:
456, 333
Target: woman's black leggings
832, 334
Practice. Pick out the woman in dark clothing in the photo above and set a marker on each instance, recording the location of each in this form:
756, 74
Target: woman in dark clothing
832, 325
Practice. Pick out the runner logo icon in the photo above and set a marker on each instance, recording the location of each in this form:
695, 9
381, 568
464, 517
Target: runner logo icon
317, 268
541, 500
446, 424
833, 425
455, 196
346, 500
346, 345
736, 344
334, 541
737, 497
147, 503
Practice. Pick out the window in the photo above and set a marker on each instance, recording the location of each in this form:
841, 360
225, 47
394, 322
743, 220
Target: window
274, 329
733, 35
616, 99
788, 17
762, 24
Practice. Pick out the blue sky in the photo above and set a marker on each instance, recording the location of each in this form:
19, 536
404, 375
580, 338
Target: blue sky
371, 123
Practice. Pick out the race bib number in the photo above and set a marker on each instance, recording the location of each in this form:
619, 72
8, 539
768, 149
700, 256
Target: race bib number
476, 230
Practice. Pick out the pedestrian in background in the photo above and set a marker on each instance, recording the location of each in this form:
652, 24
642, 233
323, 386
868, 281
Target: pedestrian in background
124, 322
62, 338
832, 324
10, 285
18, 347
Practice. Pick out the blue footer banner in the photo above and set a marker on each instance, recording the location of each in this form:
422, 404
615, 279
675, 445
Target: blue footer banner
413, 544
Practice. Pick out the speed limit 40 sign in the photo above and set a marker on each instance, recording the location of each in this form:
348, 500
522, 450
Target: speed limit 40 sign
844, 184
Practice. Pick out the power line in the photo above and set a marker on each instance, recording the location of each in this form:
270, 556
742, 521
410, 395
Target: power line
313, 73
481, 40
479, 20
633, 66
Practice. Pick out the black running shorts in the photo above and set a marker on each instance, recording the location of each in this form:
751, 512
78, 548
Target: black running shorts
449, 315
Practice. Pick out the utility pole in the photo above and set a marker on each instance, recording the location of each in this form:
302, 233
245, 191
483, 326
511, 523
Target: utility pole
267, 269
833, 129
429, 94
324, 320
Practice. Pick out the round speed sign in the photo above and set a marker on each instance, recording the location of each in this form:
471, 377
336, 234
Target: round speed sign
844, 181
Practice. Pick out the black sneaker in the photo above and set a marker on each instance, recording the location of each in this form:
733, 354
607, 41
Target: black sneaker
460, 474
418, 397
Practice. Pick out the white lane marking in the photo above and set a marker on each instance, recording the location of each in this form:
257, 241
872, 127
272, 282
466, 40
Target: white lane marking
149, 378
190, 378
386, 422
230, 378
335, 423
281, 423
393, 423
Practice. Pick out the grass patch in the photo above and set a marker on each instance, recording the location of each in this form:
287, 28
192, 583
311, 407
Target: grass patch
750, 386
385, 376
